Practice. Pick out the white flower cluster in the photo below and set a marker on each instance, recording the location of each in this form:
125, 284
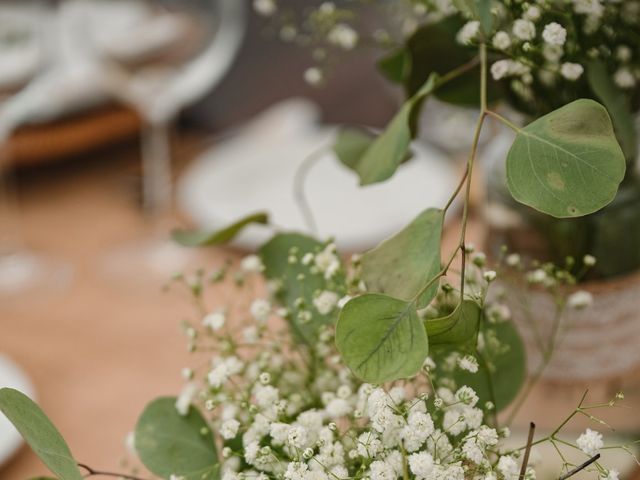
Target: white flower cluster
543, 50
282, 412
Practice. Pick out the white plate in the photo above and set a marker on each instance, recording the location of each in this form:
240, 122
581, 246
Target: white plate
254, 171
11, 376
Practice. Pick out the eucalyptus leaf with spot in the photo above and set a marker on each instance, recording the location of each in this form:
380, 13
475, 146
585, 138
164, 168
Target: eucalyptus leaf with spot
275, 258
381, 338
402, 265
39, 433
198, 238
567, 163
381, 159
618, 105
168, 443
459, 328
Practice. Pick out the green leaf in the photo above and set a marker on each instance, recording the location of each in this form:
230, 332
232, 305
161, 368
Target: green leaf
567, 163
433, 48
485, 16
38, 431
381, 338
297, 281
168, 443
402, 265
502, 366
395, 66
197, 238
477, 10
380, 161
459, 328
350, 145
618, 105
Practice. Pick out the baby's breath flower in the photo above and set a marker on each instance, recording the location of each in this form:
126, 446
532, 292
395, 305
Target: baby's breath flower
252, 264
524, 29
229, 429
214, 320
313, 76
468, 363
501, 40
532, 13
265, 7
489, 275
260, 310
468, 32
508, 467
624, 78
325, 302
580, 299
610, 475
421, 465
571, 71
554, 34
343, 36
590, 442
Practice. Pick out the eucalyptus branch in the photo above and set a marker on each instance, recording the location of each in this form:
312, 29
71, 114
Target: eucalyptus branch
503, 120
472, 157
580, 467
460, 70
92, 473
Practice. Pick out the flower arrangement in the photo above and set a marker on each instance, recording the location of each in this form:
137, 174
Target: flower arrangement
541, 55
397, 364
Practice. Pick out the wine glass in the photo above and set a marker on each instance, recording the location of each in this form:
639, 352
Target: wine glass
159, 56
27, 51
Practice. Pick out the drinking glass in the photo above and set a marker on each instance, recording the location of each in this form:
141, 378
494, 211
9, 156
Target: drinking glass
27, 51
158, 56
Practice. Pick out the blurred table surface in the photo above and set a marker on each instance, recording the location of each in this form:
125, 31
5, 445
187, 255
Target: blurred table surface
98, 352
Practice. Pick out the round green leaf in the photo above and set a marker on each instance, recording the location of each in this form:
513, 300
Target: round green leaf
618, 105
275, 258
38, 431
502, 365
350, 145
385, 154
381, 338
460, 327
567, 163
170, 444
402, 265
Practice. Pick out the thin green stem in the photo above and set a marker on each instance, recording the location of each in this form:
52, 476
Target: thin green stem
456, 72
500, 118
92, 472
472, 157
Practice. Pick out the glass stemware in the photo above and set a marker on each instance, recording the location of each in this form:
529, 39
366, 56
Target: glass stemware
26, 52
159, 56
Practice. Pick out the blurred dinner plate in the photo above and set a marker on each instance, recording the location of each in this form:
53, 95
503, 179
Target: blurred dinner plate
254, 169
11, 376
